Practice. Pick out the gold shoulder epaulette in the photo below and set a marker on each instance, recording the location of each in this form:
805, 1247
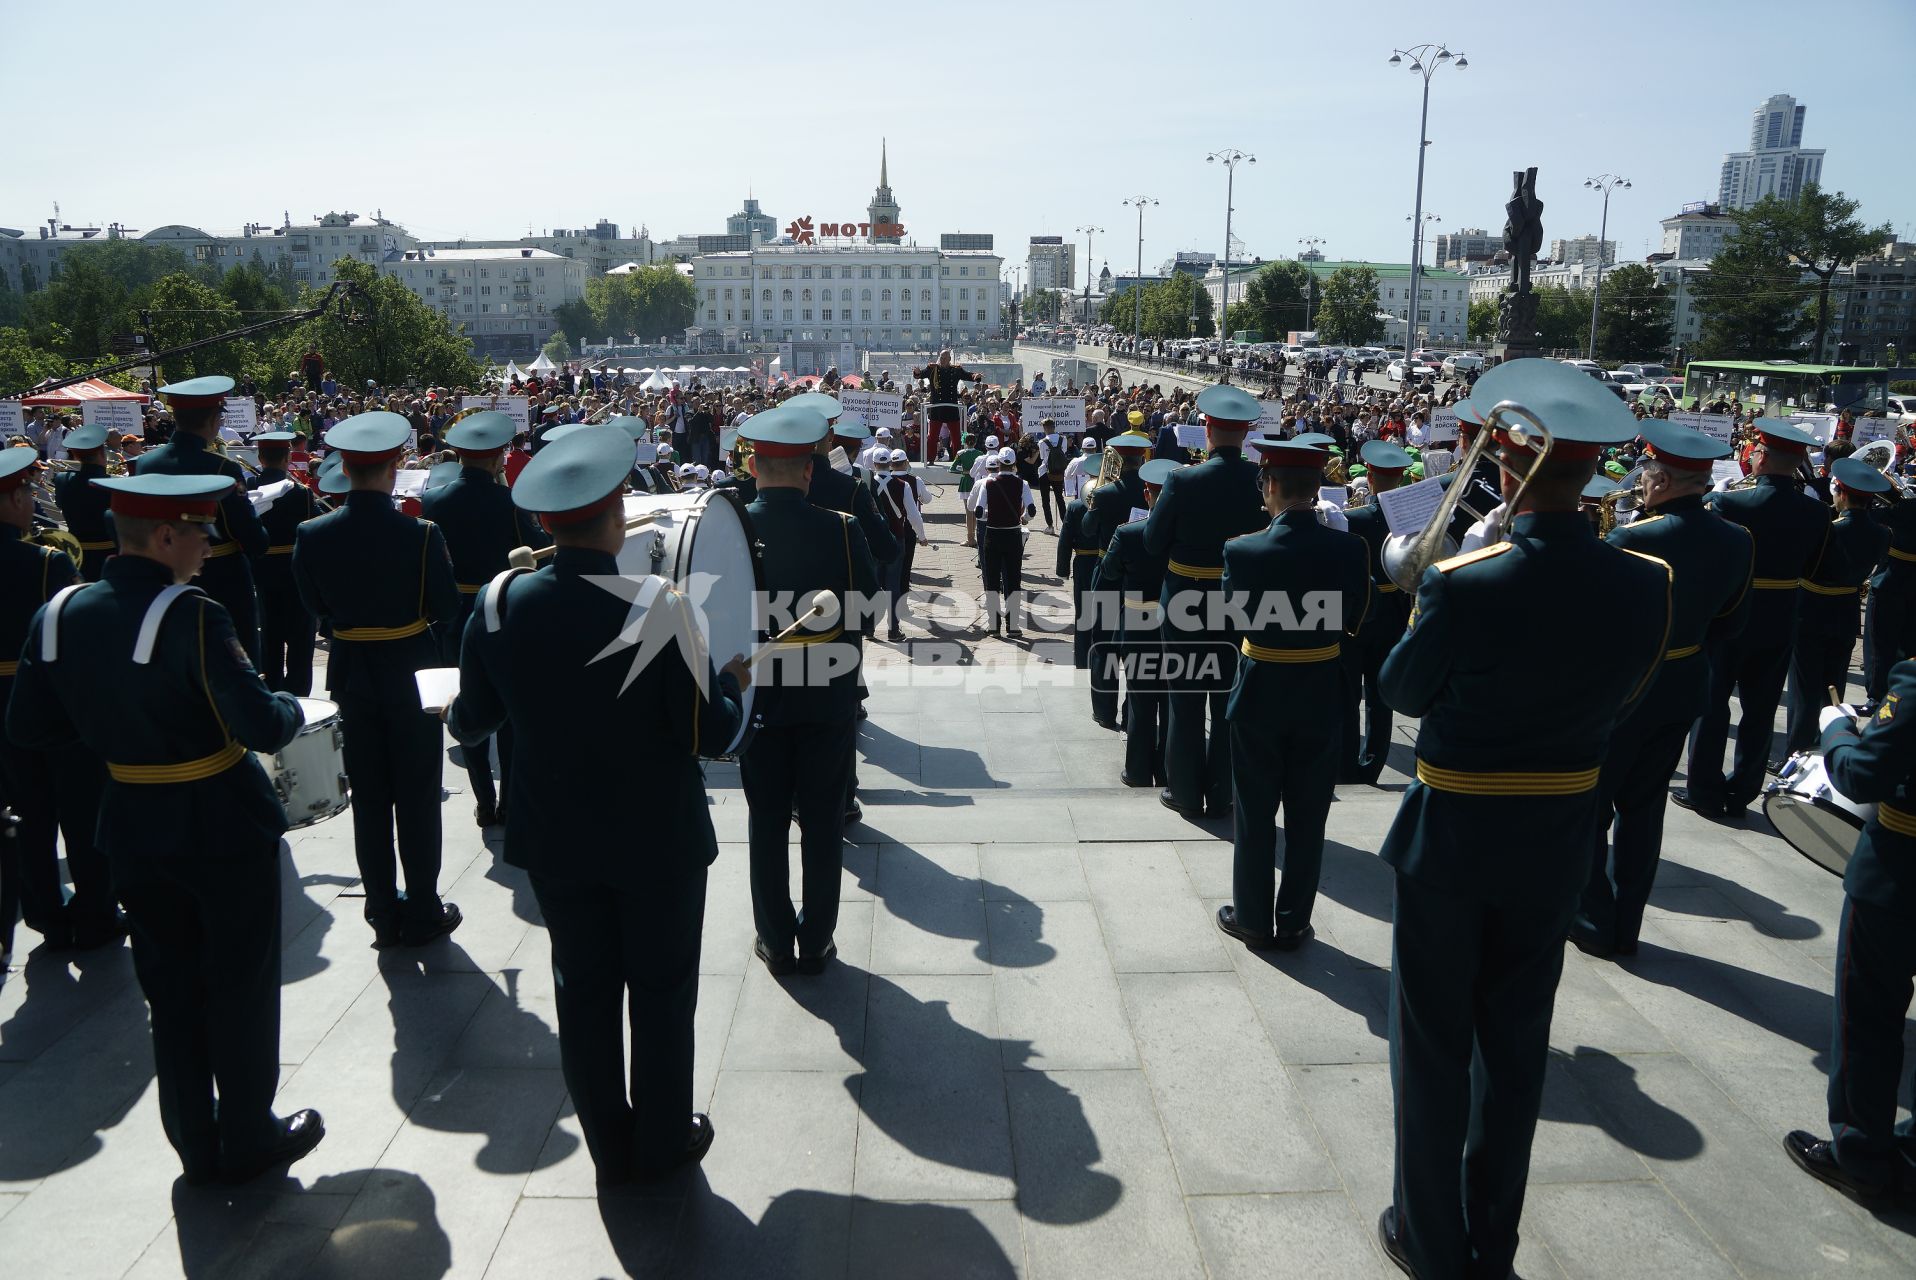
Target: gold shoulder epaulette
1471, 557
1639, 523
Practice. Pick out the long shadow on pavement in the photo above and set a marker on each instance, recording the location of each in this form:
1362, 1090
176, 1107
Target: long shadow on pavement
933, 900
241, 1232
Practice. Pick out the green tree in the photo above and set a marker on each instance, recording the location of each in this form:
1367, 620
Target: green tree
23, 364
1040, 307
558, 350
1347, 311
253, 292
1751, 299
1277, 299
1563, 318
186, 310
1828, 237
1483, 320
648, 304
575, 320
386, 333
1167, 308
1634, 315
79, 309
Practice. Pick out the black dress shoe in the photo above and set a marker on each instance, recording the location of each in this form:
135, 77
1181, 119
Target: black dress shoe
1170, 802
434, 927
863, 714
502, 812
1392, 1241
1105, 722
854, 815
486, 813
387, 934
812, 966
1292, 939
1814, 1156
1218, 811
1227, 924
299, 1134
1591, 945
896, 637
1130, 781
777, 965
1684, 799
105, 933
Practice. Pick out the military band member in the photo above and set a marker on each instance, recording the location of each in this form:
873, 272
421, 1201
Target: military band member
1829, 612
1483, 492
1200, 509
1077, 563
801, 758
1305, 587
477, 517
1491, 844
901, 497
1365, 748
285, 628
1789, 529
82, 506
1710, 563
238, 538
625, 907
148, 674
1889, 619
382, 579
1129, 579
1106, 507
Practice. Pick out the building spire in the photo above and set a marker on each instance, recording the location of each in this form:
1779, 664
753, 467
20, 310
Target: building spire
884, 179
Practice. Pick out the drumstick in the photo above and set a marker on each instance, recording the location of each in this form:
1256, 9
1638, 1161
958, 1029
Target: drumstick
822, 603
527, 558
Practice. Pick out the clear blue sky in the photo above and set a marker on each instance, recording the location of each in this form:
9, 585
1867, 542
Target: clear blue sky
485, 118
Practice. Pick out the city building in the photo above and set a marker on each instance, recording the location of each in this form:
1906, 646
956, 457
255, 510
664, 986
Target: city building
1874, 303
1584, 250
1697, 231
505, 297
1467, 247
1053, 264
751, 220
1444, 316
883, 209
1777, 163
599, 247
965, 240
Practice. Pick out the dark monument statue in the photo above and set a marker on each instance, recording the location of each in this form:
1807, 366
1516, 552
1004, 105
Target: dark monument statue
1523, 238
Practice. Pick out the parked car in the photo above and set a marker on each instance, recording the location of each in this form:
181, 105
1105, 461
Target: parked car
1903, 409
1590, 367
1463, 363
1414, 368
1369, 359
1644, 372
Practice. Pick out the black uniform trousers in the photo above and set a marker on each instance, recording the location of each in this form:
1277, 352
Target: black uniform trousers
1889, 634
478, 756
1755, 674
1082, 636
1472, 989
1145, 716
1875, 962
206, 942
807, 767
286, 632
56, 795
1004, 554
229, 580
1197, 760
896, 576
393, 761
1818, 663
1275, 762
617, 954
1635, 786
1364, 747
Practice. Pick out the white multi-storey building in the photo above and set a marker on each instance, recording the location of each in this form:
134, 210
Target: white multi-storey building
599, 247
1777, 164
505, 298
1697, 232
1585, 250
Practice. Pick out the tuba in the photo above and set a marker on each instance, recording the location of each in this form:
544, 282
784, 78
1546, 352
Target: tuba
1406, 556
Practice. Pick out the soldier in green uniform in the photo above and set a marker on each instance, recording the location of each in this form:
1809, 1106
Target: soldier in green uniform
238, 537
1078, 562
1125, 589
476, 515
382, 579
55, 790
1789, 529
285, 628
1365, 748
148, 674
807, 707
1829, 612
1482, 490
1304, 588
1491, 842
82, 506
1108, 506
1710, 561
624, 905
1870, 1154
1889, 619
1201, 509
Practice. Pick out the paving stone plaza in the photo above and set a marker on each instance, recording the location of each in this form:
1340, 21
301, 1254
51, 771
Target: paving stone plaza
1036, 1056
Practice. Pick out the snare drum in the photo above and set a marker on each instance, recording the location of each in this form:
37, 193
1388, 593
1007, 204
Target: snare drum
703, 543
309, 772
1816, 819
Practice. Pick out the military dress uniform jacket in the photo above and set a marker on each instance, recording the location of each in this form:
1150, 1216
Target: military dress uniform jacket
807, 548
237, 534
1831, 603
1389, 605
481, 526
1790, 530
190, 716
1200, 509
1075, 547
1134, 574
1879, 764
835, 491
83, 505
586, 727
1110, 505
1518, 695
1711, 560
1275, 574
381, 578
1896, 568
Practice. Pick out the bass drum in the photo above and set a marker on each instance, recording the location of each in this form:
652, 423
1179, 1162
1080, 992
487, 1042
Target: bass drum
703, 542
309, 773
1811, 815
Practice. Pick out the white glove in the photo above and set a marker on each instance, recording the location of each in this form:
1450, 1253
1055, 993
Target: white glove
1831, 715
1486, 531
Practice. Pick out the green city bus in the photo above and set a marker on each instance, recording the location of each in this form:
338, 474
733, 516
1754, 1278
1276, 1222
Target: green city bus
1778, 388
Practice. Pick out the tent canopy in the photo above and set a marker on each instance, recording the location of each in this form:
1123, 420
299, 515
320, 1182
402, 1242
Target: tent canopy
657, 382
93, 389
541, 365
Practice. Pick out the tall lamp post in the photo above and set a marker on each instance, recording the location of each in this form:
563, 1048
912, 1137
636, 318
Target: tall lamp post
1230, 158
1137, 282
1088, 233
1424, 61
1417, 251
1606, 183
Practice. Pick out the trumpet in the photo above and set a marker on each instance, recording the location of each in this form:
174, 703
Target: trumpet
1406, 556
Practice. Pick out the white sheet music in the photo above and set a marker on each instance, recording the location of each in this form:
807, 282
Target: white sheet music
438, 686
1408, 510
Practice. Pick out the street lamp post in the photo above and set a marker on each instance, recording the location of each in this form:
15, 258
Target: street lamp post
1424, 61
1230, 158
1606, 183
1088, 233
1137, 282
1417, 252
